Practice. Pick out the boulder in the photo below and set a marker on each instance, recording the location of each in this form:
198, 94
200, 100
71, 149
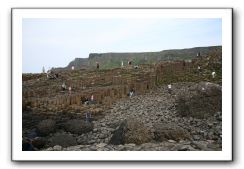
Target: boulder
45, 127
165, 132
137, 132
131, 131
78, 126
119, 134
62, 139
39, 142
202, 101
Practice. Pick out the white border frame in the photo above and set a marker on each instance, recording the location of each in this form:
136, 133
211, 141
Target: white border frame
19, 155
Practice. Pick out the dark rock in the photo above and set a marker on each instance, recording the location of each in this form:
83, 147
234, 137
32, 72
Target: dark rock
63, 140
137, 132
45, 127
200, 102
39, 142
119, 134
78, 126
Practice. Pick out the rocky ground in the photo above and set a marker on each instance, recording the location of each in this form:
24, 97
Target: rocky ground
143, 122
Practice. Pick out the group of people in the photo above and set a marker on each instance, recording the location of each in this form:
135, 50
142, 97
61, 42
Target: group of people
64, 87
52, 75
213, 74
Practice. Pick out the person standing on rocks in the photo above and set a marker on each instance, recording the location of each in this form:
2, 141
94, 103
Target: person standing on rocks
64, 86
70, 89
43, 70
92, 98
122, 64
131, 93
199, 68
169, 88
97, 65
88, 117
213, 75
129, 62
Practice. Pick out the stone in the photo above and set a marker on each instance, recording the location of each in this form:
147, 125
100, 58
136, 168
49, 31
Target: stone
78, 126
49, 149
183, 148
172, 141
94, 130
201, 145
198, 103
39, 142
164, 132
118, 137
57, 148
196, 137
45, 127
62, 139
101, 145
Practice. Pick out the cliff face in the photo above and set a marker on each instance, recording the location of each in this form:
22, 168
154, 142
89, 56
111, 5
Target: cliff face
113, 60
78, 63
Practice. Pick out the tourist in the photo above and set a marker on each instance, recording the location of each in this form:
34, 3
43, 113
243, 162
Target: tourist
131, 93
48, 74
43, 69
56, 75
213, 75
129, 62
63, 86
88, 116
198, 68
97, 65
70, 90
198, 54
169, 88
86, 101
122, 64
72, 68
92, 98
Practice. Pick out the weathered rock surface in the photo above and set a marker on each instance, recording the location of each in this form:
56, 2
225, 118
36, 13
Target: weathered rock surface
200, 101
170, 131
62, 139
46, 127
78, 126
151, 122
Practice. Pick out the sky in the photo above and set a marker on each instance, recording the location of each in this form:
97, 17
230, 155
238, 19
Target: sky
56, 42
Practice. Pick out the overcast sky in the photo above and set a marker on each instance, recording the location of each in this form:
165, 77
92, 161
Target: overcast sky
56, 42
